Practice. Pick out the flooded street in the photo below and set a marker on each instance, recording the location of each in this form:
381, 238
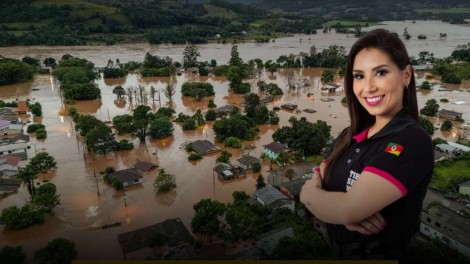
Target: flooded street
87, 202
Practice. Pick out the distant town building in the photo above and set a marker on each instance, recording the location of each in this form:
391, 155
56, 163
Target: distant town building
447, 225
329, 87
448, 114
16, 145
459, 146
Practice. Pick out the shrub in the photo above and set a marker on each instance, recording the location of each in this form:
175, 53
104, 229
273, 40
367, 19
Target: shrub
211, 115
194, 156
189, 124
444, 100
41, 133
276, 108
233, 142
446, 126
256, 167
34, 127
211, 104
124, 145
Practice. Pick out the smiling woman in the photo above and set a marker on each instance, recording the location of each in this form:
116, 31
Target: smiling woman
377, 171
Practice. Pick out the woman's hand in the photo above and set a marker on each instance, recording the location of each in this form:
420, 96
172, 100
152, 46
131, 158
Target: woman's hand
369, 226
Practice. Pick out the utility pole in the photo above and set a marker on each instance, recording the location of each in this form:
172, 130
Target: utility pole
96, 178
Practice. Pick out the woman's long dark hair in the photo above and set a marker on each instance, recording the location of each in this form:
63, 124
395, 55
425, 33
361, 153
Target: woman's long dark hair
360, 119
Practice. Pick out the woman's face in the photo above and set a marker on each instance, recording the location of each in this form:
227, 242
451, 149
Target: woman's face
378, 83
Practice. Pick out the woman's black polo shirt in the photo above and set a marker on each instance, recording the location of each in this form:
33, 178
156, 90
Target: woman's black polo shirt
402, 153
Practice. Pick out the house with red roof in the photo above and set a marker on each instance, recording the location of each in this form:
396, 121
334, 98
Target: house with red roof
22, 107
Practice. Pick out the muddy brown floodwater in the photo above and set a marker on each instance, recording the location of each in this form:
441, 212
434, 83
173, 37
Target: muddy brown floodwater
83, 211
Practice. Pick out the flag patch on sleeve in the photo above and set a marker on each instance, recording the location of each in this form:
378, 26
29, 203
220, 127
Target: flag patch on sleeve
394, 148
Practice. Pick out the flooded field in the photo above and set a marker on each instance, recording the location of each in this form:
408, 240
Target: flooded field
88, 203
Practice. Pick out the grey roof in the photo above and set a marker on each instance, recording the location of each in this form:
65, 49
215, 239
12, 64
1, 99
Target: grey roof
276, 147
10, 182
225, 109
294, 187
266, 99
269, 195
126, 175
268, 241
144, 165
449, 112
248, 160
446, 147
173, 229
20, 137
221, 167
202, 147
459, 146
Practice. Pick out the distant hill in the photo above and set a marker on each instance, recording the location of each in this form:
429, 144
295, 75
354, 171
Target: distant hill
84, 22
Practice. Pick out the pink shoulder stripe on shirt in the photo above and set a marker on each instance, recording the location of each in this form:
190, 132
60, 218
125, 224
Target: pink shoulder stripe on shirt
388, 177
361, 136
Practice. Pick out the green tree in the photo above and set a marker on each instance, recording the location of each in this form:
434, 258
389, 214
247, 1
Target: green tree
190, 55
58, 251
447, 125
36, 109
46, 198
12, 255
234, 76
142, 117
189, 124
161, 128
164, 182
211, 115
426, 85
224, 157
28, 175
327, 76
50, 62
123, 123
235, 59
206, 218
100, 139
233, 142
260, 183
18, 218
234, 126
427, 125
119, 91
43, 162
437, 141
86, 123
199, 118
431, 108
211, 104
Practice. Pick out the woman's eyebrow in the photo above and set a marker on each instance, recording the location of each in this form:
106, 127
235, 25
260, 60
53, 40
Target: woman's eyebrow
373, 69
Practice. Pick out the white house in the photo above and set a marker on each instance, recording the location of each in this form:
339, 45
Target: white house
447, 225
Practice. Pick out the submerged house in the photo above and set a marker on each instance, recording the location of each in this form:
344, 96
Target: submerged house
272, 150
226, 171
128, 176
247, 162
273, 198
448, 114
9, 186
203, 147
144, 165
